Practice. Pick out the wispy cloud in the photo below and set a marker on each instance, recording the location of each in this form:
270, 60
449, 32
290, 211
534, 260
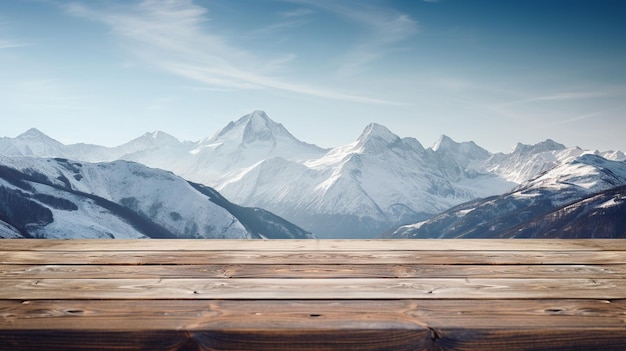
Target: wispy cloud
274, 28
176, 36
297, 13
564, 96
41, 94
580, 117
8, 44
572, 96
4, 42
246, 80
384, 28
554, 109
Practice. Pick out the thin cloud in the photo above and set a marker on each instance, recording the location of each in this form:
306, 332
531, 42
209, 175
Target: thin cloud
584, 116
297, 13
176, 36
384, 28
245, 80
42, 94
8, 44
276, 28
571, 96
583, 95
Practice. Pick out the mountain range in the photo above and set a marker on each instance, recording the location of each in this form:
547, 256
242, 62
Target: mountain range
379, 181
581, 198
59, 198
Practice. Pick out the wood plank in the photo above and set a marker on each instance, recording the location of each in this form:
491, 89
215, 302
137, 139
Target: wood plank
243, 271
314, 325
564, 339
137, 315
313, 295
313, 257
311, 245
358, 288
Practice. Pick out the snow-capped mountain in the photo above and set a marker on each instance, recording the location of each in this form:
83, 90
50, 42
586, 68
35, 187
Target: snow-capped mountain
59, 198
527, 161
31, 143
362, 188
357, 190
585, 193
461, 158
243, 144
602, 215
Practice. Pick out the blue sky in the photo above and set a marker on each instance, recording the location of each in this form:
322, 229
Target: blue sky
495, 72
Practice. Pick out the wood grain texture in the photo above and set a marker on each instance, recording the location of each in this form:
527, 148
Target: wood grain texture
272, 288
315, 325
311, 271
318, 340
260, 257
141, 315
316, 245
313, 295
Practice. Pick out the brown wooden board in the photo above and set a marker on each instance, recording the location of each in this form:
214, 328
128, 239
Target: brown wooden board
138, 315
272, 288
314, 325
313, 257
313, 295
311, 271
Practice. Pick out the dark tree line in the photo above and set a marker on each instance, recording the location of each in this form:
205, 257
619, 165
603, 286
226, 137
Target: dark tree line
18, 210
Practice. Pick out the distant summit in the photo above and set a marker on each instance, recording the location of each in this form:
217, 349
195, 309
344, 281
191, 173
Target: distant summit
251, 128
376, 136
547, 145
32, 134
150, 140
466, 154
33, 142
446, 144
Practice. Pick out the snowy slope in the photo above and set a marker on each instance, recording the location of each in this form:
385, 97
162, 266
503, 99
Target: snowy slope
602, 215
120, 199
509, 215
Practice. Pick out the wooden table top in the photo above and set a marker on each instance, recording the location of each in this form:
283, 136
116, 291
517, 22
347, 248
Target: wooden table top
313, 294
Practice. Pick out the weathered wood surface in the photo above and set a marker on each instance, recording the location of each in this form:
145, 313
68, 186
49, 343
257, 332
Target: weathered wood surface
313, 295
260, 257
318, 245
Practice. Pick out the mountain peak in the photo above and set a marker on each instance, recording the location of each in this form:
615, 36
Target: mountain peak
444, 142
160, 136
259, 114
546, 145
375, 131
465, 151
251, 128
151, 140
33, 142
32, 134
259, 127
